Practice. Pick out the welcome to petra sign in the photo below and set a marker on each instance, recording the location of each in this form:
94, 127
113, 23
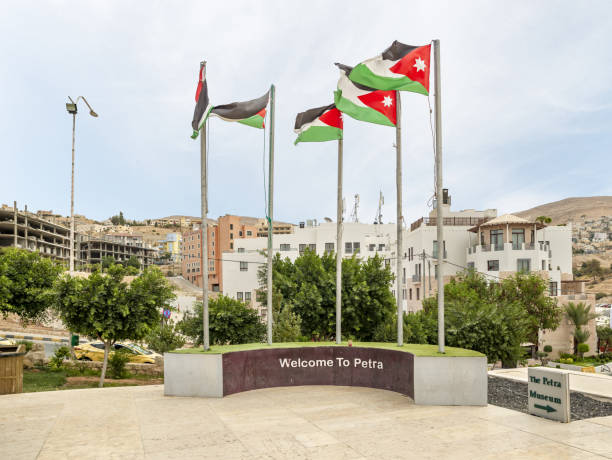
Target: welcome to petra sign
349, 366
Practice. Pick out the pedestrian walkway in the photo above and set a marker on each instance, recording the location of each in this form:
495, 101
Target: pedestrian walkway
591, 384
315, 422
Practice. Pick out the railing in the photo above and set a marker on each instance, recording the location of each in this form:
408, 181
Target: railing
435, 254
416, 278
457, 221
485, 247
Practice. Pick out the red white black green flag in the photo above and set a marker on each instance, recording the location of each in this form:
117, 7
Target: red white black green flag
400, 67
364, 103
203, 106
319, 125
250, 113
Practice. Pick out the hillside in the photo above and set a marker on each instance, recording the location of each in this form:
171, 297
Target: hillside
573, 209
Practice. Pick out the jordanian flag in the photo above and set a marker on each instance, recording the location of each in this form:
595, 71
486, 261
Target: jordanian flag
363, 103
203, 106
250, 113
400, 67
318, 125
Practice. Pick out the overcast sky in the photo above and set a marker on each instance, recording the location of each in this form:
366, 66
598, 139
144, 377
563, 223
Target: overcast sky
526, 102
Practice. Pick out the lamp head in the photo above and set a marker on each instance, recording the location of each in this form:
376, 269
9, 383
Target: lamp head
71, 107
93, 114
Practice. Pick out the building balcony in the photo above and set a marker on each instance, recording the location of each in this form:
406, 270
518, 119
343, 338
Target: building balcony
448, 221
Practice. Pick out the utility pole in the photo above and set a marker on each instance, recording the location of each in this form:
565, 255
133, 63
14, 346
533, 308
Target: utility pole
423, 274
400, 218
439, 199
72, 196
339, 248
270, 214
15, 216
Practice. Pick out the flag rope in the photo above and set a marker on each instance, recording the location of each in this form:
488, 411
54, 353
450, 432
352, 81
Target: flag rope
433, 145
263, 164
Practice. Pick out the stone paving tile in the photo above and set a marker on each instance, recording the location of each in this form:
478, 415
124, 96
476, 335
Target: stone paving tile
281, 423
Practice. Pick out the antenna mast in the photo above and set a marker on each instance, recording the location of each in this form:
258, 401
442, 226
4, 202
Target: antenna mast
355, 209
381, 201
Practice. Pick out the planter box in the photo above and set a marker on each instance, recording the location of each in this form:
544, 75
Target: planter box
426, 379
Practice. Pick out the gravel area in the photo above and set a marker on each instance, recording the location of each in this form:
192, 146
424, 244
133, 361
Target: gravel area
512, 394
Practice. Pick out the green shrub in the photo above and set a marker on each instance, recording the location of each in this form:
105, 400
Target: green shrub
548, 349
117, 362
569, 361
583, 348
164, 338
566, 355
600, 295
58, 358
558, 367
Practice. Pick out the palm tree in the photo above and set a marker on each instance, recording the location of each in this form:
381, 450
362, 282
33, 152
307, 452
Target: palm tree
579, 314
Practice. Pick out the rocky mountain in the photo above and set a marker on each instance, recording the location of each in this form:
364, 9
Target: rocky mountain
571, 209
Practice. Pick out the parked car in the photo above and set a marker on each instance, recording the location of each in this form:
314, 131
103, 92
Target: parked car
6, 341
94, 351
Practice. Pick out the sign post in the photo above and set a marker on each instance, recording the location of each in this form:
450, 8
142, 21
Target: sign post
548, 393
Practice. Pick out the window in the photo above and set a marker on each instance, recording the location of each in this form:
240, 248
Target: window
497, 240
213, 253
518, 238
215, 288
244, 266
240, 249
381, 247
312, 247
403, 294
213, 234
240, 233
285, 247
348, 248
231, 226
410, 294
239, 296
523, 265
231, 236
199, 246
417, 293
435, 249
552, 286
302, 248
231, 245
404, 275
329, 247
249, 233
356, 247
470, 266
211, 265
371, 247
492, 265
213, 244
247, 296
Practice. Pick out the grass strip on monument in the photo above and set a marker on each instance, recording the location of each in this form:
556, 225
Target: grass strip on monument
415, 349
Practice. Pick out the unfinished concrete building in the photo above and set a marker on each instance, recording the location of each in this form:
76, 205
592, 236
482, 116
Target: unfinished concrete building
93, 249
22, 229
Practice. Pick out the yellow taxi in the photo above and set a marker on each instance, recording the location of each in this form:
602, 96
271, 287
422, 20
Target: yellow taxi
6, 341
94, 351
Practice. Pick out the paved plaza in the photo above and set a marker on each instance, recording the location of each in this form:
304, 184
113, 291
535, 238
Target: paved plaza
317, 422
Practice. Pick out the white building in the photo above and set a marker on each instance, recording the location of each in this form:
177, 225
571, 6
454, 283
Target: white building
240, 267
495, 246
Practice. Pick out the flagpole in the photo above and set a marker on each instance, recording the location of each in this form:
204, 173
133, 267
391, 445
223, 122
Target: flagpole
439, 198
398, 180
204, 264
270, 219
339, 248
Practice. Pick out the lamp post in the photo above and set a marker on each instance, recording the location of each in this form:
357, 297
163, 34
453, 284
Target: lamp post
71, 107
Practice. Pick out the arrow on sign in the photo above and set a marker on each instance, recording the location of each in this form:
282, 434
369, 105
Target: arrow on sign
547, 408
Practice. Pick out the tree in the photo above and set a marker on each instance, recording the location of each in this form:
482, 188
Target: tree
106, 307
133, 262
478, 316
604, 336
529, 291
287, 325
107, 261
230, 322
579, 314
164, 337
309, 286
543, 219
26, 282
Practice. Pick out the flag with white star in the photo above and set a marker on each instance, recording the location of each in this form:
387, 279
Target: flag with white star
400, 67
319, 125
363, 103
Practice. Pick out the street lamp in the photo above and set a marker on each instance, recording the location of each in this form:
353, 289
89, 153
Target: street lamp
71, 107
